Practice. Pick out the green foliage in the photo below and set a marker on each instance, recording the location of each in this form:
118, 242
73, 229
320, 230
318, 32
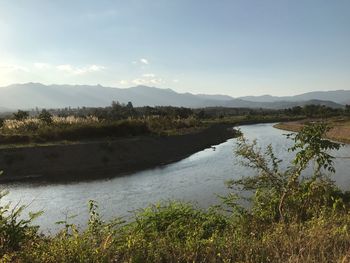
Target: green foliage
287, 194
15, 231
20, 115
312, 111
179, 232
45, 117
311, 145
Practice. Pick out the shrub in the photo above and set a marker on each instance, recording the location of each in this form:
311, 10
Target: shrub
15, 232
287, 195
20, 115
45, 117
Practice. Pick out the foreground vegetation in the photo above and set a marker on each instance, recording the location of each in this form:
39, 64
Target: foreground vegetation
278, 215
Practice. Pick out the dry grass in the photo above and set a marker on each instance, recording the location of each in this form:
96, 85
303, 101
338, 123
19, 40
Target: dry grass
340, 128
33, 124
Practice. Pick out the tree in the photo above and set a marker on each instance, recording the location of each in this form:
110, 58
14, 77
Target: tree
130, 111
284, 195
21, 115
130, 106
347, 109
45, 117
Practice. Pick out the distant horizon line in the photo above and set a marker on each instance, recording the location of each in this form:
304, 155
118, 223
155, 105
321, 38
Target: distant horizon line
210, 94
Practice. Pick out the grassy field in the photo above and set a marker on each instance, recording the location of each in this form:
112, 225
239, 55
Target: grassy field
340, 130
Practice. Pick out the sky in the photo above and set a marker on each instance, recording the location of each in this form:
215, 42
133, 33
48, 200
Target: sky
233, 47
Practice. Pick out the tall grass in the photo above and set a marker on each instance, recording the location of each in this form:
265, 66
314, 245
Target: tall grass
78, 128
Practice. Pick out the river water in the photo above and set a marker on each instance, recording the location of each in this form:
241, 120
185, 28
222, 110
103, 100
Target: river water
198, 178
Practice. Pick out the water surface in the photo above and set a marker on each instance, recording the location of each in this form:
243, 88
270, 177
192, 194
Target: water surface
198, 178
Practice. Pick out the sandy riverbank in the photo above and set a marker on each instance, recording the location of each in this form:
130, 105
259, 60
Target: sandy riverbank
340, 128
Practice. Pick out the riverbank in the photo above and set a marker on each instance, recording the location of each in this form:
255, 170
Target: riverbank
340, 128
105, 159
313, 227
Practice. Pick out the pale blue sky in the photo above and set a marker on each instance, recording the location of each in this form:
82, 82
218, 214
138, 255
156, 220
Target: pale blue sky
230, 47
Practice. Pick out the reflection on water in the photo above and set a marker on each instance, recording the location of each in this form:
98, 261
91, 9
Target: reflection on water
198, 178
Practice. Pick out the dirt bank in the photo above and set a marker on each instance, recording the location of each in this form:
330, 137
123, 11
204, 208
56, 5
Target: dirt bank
340, 130
96, 160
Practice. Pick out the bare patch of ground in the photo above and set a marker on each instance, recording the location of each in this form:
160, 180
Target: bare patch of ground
340, 130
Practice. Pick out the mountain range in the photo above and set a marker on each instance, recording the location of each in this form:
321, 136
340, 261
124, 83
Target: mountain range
31, 95
337, 96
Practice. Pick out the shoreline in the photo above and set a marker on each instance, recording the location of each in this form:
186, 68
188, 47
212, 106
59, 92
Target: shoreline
339, 132
104, 159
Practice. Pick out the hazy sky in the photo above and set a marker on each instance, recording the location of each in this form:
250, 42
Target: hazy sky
231, 47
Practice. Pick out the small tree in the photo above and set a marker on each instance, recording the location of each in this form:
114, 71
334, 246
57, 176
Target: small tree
130, 111
347, 109
289, 194
45, 117
20, 115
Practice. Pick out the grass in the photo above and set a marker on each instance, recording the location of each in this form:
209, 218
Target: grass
64, 130
71, 129
181, 232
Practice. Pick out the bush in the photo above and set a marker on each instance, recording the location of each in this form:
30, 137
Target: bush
15, 232
20, 115
287, 195
45, 117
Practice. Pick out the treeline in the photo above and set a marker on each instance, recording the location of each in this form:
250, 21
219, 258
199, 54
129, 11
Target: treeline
118, 111
312, 111
116, 120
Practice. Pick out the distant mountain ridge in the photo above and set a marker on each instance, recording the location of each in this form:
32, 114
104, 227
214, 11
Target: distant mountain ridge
337, 96
31, 95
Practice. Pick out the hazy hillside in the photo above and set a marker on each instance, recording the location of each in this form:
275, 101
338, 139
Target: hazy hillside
214, 97
338, 96
31, 95
263, 98
279, 104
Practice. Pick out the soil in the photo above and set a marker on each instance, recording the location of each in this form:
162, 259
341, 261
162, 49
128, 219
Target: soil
104, 159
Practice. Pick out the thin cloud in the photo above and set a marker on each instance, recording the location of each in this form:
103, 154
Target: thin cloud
95, 68
123, 82
41, 65
78, 71
13, 67
138, 81
144, 61
147, 81
65, 67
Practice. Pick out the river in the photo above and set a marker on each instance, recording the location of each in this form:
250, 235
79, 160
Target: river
198, 178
